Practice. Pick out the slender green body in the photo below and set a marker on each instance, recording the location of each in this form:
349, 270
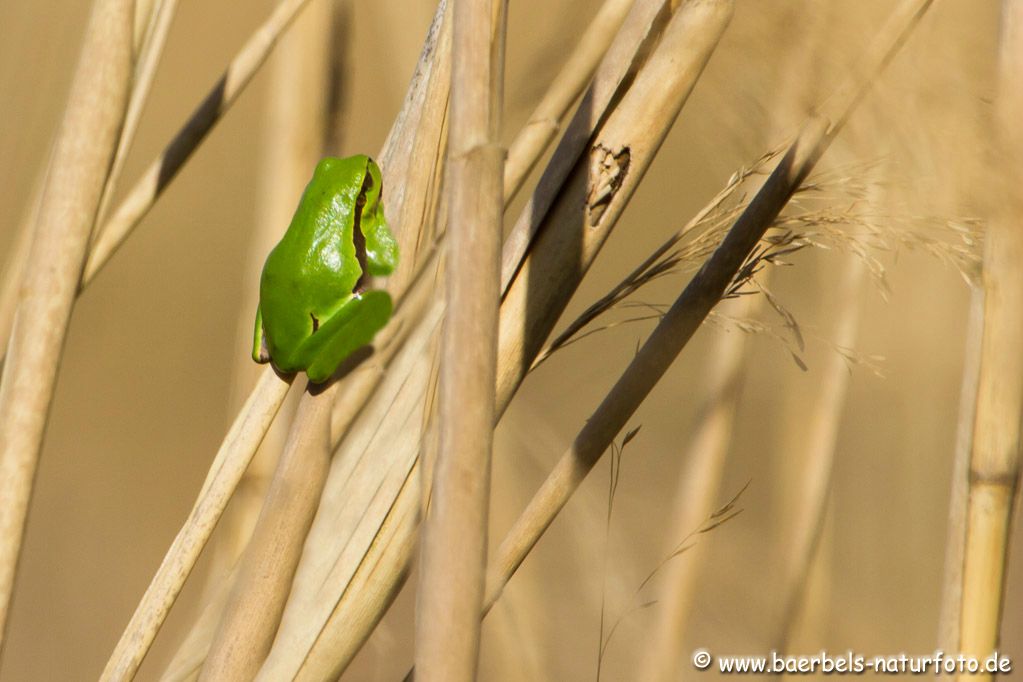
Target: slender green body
313, 309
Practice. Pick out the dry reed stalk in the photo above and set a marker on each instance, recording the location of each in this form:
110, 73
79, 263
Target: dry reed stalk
333, 565
163, 169
600, 186
143, 16
625, 55
818, 436
695, 302
157, 25
454, 554
193, 651
545, 121
264, 579
418, 135
230, 463
112, 232
418, 117
80, 161
952, 578
14, 267
995, 457
151, 31
294, 139
371, 500
267, 567
698, 488
188, 659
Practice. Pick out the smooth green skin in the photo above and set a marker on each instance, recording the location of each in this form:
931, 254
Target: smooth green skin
310, 316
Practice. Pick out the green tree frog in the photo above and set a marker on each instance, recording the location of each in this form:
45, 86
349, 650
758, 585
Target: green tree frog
314, 310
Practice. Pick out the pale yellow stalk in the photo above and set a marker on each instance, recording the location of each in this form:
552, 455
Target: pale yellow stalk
230, 463
545, 121
454, 537
293, 141
264, 575
995, 456
162, 170
81, 160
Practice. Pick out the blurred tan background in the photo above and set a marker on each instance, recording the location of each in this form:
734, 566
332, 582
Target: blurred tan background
145, 391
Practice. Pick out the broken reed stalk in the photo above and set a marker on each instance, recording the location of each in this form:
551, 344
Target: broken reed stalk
698, 487
601, 185
454, 533
699, 297
625, 55
816, 450
80, 162
267, 567
995, 458
228, 466
545, 121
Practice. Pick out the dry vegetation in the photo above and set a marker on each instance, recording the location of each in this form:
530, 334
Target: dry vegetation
826, 185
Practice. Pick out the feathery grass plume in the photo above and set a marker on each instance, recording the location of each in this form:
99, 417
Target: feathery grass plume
695, 302
852, 229
81, 160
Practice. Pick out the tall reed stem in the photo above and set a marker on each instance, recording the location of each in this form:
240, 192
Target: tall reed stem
995, 457
81, 161
455, 533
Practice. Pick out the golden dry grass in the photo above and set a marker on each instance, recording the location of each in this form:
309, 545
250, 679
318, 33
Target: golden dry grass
145, 390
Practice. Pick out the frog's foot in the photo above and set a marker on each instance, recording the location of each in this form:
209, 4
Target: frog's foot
351, 328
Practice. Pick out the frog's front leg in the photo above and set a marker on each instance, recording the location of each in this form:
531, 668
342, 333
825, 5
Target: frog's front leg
351, 328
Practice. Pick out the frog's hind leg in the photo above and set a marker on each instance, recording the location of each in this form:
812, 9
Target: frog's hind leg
260, 351
349, 329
